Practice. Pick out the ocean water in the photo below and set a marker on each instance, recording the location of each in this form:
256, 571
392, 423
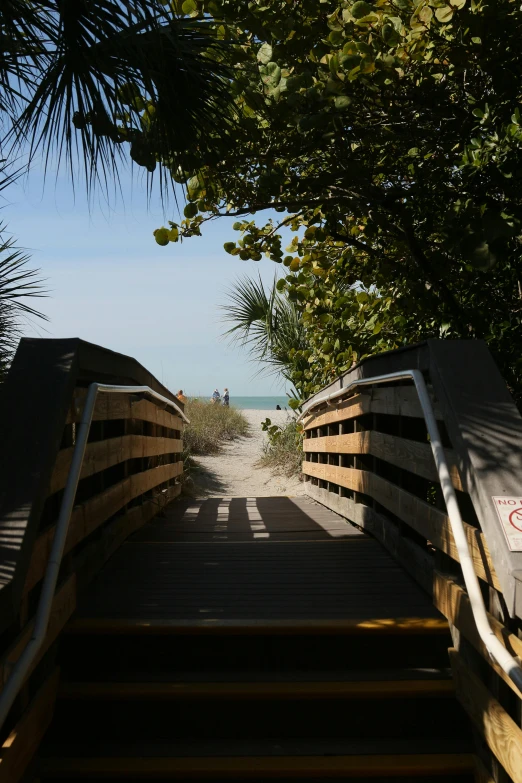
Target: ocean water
259, 403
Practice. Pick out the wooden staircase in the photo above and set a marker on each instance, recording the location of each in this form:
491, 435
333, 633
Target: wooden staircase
313, 705
270, 696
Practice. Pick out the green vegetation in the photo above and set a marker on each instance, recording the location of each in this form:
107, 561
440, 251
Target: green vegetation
388, 136
17, 283
268, 324
81, 79
84, 82
284, 449
211, 426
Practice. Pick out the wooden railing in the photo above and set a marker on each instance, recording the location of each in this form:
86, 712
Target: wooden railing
368, 458
131, 471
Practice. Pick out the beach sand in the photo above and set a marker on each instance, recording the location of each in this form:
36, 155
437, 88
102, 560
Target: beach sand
234, 472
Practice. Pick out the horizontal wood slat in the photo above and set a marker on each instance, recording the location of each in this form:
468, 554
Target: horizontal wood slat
237, 691
123, 406
378, 626
408, 454
500, 731
20, 746
103, 454
64, 604
305, 767
431, 523
88, 516
453, 602
355, 406
391, 401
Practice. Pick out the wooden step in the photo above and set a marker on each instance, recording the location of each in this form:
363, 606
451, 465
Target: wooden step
371, 626
370, 689
252, 767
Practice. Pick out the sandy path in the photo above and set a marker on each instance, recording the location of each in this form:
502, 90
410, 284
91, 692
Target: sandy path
233, 473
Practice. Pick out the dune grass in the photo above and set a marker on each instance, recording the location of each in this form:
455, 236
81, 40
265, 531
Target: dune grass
211, 426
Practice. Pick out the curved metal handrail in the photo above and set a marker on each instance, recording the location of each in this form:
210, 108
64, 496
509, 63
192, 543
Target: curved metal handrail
495, 648
26, 659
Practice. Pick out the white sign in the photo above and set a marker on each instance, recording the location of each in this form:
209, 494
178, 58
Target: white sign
509, 510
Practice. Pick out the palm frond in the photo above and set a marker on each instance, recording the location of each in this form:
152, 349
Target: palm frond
17, 283
266, 323
91, 54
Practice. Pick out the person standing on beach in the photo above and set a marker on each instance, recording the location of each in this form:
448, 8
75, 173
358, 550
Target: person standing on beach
216, 397
226, 397
181, 397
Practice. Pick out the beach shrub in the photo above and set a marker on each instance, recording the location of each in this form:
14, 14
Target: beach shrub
211, 426
284, 448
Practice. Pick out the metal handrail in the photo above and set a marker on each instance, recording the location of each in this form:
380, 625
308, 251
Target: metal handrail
495, 648
25, 661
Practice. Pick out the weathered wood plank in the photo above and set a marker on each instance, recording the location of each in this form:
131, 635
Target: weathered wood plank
241, 767
22, 743
334, 413
416, 561
104, 454
383, 626
501, 733
408, 454
64, 604
391, 401
453, 602
237, 691
94, 512
400, 401
123, 406
96, 555
427, 520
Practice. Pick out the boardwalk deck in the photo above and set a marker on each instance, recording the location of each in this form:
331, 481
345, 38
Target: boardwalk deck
234, 560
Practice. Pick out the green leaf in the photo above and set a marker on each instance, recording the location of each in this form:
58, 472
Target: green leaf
229, 246
342, 102
264, 54
361, 9
191, 210
193, 187
426, 14
270, 74
390, 36
293, 403
336, 37
189, 6
444, 14
161, 235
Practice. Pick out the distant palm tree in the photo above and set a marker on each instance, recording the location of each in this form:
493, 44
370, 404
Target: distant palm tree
267, 323
79, 77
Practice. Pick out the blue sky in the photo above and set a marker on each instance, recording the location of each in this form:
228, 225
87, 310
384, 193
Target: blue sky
110, 283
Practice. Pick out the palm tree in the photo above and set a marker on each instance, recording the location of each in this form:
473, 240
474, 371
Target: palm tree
268, 325
17, 283
79, 77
